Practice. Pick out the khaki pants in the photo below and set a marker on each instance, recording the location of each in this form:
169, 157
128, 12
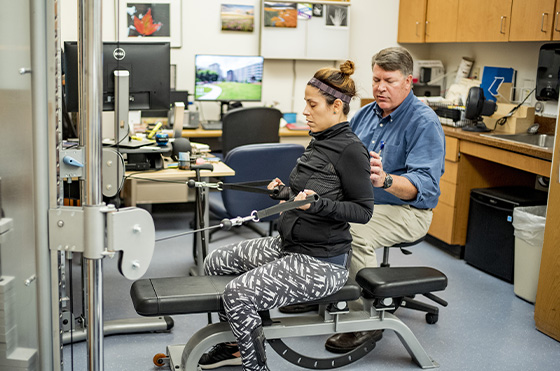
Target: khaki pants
390, 224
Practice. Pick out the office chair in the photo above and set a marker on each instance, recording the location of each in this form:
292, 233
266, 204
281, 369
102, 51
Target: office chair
250, 125
432, 312
254, 162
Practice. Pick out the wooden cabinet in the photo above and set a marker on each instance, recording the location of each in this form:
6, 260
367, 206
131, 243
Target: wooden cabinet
431, 21
444, 221
412, 21
441, 21
483, 20
547, 306
532, 20
556, 22
427, 21
469, 165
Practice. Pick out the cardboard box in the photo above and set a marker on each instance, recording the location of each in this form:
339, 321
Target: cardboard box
519, 122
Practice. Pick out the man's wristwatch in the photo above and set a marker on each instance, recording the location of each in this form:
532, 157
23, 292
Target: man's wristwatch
388, 181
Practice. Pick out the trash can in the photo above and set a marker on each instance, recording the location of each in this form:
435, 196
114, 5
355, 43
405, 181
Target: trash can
528, 229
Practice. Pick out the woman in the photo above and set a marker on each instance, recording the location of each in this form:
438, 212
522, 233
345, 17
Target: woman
309, 258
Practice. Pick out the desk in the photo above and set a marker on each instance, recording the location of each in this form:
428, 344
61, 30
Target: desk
169, 185
286, 136
163, 186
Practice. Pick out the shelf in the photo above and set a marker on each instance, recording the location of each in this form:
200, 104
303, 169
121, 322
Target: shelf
326, 2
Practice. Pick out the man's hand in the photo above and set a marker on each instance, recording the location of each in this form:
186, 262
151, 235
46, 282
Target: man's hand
302, 196
402, 187
377, 175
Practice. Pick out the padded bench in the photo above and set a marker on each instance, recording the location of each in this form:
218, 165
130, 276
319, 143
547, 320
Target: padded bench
385, 282
202, 294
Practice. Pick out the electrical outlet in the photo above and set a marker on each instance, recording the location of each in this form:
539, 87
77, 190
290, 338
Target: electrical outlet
475, 73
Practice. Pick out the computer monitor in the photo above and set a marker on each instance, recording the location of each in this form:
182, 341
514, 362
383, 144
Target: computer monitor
228, 78
149, 74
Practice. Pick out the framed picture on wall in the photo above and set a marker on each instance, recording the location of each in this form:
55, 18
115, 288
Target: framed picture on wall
280, 14
149, 21
337, 16
317, 10
238, 17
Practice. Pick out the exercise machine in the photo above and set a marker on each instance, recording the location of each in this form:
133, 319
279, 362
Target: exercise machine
381, 289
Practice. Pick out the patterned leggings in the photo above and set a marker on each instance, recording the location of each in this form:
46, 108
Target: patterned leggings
271, 279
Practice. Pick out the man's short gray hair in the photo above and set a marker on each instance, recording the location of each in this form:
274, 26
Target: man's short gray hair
394, 59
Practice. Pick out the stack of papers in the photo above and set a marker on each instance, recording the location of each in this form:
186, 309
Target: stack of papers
297, 126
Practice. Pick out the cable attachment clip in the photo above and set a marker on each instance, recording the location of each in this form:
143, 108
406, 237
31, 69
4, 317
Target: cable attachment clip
193, 184
227, 224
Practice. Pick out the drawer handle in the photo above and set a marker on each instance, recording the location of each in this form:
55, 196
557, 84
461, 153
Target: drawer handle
556, 22
542, 22
502, 24
417, 24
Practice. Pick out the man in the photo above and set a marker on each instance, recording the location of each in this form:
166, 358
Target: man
407, 148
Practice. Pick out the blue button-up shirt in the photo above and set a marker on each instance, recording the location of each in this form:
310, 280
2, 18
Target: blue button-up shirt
414, 147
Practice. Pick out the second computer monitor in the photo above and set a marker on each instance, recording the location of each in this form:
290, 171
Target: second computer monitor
227, 78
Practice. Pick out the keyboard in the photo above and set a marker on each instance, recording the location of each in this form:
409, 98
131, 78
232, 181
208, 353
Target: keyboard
212, 125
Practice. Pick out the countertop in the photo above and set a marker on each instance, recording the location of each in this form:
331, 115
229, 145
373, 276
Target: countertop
524, 149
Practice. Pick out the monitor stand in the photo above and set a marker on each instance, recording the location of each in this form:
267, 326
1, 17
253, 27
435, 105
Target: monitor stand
222, 105
478, 127
228, 104
178, 117
121, 105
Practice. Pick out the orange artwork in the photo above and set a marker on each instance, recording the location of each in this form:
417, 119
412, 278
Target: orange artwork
146, 25
280, 15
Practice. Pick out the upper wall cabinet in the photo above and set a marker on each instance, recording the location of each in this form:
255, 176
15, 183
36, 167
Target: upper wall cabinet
532, 20
484, 20
431, 21
556, 27
412, 21
441, 21
427, 21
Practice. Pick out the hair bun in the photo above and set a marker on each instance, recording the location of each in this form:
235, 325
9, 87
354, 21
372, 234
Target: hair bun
347, 68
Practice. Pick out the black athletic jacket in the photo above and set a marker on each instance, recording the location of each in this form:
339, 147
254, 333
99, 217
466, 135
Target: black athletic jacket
336, 166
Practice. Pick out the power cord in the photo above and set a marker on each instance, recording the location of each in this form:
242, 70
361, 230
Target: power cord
502, 120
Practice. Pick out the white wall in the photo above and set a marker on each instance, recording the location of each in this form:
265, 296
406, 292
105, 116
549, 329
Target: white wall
373, 26
284, 80
522, 56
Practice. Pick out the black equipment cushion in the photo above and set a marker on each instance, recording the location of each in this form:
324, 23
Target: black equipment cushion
394, 282
200, 294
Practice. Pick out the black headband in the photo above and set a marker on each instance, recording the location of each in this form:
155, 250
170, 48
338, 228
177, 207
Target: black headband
329, 90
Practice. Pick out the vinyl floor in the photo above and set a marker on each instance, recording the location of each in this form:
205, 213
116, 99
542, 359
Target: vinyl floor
485, 327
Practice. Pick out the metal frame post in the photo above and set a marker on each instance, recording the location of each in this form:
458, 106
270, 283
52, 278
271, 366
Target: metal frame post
90, 65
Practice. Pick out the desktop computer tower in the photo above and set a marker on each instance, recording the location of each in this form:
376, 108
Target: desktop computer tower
490, 240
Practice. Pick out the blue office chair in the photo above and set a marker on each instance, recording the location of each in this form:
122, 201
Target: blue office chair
254, 162
250, 125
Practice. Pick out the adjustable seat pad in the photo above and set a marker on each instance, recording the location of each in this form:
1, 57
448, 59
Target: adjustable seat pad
200, 294
394, 282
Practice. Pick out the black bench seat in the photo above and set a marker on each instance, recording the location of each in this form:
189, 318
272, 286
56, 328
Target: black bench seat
203, 294
200, 294
394, 282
